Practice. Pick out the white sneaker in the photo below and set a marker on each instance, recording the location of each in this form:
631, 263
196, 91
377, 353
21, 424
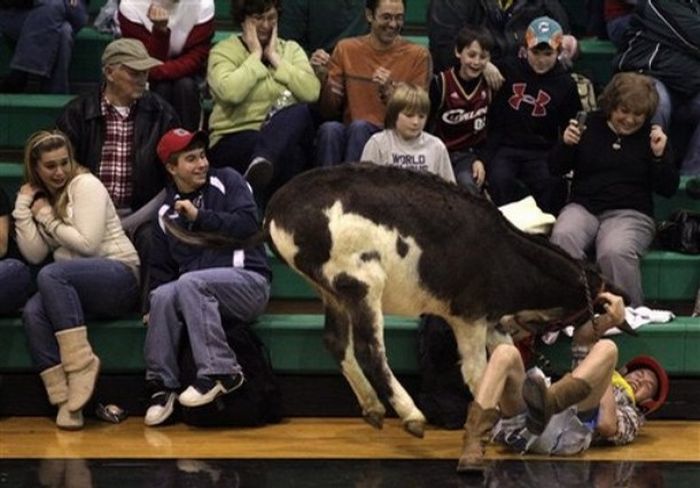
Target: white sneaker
160, 407
207, 388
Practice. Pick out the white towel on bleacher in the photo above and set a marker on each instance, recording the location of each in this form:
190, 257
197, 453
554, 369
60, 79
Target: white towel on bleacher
635, 317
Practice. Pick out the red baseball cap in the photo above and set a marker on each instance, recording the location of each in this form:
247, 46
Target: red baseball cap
647, 362
176, 140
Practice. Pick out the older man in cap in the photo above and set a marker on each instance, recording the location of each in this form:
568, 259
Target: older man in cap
115, 130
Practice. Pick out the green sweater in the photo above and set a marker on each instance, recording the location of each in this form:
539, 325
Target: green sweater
244, 89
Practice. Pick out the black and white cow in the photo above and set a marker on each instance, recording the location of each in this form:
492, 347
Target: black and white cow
375, 240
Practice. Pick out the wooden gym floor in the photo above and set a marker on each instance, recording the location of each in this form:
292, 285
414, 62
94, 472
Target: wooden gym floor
320, 452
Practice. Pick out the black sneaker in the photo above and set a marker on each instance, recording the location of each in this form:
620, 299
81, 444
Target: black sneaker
259, 173
207, 388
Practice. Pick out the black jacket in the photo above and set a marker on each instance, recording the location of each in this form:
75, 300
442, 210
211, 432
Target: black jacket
83, 122
19, 4
227, 208
606, 178
663, 41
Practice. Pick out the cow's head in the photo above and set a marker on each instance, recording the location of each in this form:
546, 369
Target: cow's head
524, 323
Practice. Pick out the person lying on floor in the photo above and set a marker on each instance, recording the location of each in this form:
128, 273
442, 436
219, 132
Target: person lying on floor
594, 404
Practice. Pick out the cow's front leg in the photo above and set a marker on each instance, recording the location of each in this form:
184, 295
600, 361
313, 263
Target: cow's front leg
338, 339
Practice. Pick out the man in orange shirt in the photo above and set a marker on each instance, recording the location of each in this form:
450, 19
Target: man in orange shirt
359, 78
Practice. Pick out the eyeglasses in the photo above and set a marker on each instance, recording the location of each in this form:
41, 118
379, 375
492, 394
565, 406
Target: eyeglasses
270, 18
387, 18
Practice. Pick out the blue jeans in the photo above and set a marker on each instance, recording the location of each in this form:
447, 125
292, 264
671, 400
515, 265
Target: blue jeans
184, 95
686, 126
70, 290
197, 302
462, 162
285, 141
616, 29
514, 173
15, 283
338, 143
44, 39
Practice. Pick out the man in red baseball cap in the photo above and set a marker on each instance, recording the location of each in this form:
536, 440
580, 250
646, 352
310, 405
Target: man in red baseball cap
196, 288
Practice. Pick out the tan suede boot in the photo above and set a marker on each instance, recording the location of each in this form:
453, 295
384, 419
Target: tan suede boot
543, 402
80, 364
56, 385
476, 433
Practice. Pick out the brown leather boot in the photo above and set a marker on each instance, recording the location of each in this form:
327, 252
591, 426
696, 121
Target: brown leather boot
476, 432
543, 402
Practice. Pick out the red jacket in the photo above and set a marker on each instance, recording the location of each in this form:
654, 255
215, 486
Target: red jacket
192, 60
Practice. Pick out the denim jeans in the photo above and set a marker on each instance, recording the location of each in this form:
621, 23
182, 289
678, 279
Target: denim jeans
338, 143
44, 39
68, 291
15, 283
184, 95
285, 141
197, 302
683, 115
616, 29
514, 173
462, 162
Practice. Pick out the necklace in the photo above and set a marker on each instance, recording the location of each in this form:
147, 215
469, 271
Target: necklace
617, 145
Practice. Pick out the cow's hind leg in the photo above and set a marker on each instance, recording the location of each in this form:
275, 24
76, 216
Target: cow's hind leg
338, 339
368, 323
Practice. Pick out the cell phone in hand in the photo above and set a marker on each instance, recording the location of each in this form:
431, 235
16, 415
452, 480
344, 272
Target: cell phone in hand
581, 119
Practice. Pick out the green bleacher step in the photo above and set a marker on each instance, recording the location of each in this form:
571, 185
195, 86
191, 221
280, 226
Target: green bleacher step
415, 9
296, 346
21, 115
665, 275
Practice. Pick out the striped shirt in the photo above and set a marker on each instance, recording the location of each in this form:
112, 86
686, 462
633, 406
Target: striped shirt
115, 169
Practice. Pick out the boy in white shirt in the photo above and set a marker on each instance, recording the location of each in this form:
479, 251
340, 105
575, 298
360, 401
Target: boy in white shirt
403, 142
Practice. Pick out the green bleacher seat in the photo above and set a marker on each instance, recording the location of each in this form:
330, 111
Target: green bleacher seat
296, 346
10, 176
21, 115
595, 61
666, 276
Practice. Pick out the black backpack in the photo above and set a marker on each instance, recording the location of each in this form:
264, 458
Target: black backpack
257, 402
443, 397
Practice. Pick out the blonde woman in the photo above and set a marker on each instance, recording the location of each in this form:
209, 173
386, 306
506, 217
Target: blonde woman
64, 210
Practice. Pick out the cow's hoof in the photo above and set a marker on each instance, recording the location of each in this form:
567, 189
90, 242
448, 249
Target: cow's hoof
375, 419
415, 428
471, 466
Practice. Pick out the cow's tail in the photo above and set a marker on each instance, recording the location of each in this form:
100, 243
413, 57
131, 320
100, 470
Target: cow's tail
213, 239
